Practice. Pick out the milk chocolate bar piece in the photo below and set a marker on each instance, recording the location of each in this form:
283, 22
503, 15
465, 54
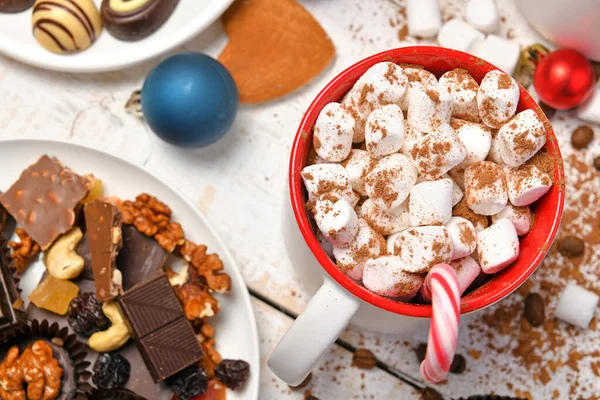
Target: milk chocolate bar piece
140, 257
103, 221
162, 334
44, 199
9, 316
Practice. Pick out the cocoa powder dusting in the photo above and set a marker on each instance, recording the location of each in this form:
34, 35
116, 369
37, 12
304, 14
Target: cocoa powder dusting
433, 95
504, 81
463, 210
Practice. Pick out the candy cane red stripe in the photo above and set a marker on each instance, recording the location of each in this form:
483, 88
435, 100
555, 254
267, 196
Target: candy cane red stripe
441, 285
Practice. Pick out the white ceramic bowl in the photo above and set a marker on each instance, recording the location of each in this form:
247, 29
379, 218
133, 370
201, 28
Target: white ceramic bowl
108, 54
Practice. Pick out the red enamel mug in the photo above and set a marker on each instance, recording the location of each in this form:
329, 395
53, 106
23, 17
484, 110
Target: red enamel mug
339, 299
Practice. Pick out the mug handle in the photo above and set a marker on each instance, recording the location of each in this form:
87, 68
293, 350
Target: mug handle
313, 333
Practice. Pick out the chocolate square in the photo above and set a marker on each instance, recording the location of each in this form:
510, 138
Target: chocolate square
139, 258
44, 199
103, 221
151, 305
170, 349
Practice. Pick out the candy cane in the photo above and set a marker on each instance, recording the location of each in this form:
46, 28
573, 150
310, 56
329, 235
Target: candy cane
442, 285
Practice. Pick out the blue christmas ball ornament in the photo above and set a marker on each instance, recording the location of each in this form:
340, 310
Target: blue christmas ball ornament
189, 100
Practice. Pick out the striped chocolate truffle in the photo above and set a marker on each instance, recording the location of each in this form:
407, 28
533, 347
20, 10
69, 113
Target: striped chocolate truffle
65, 26
132, 20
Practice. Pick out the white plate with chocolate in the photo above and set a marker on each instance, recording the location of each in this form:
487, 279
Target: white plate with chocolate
99, 35
130, 268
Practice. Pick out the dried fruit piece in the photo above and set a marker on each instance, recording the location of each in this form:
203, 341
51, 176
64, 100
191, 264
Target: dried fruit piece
363, 359
233, 373
597, 163
54, 295
459, 364
421, 350
189, 383
534, 309
111, 371
95, 192
85, 315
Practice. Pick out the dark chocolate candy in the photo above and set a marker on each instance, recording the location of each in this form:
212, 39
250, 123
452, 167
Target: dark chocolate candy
9, 316
139, 258
7, 223
44, 199
162, 334
135, 20
14, 6
103, 221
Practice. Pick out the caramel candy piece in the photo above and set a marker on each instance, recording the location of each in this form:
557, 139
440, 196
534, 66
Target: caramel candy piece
44, 199
65, 26
95, 192
105, 239
54, 295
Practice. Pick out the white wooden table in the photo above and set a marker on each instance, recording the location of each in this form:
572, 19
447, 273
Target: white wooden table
238, 184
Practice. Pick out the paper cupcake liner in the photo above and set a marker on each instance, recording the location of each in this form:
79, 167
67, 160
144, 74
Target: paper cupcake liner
5, 259
29, 331
113, 394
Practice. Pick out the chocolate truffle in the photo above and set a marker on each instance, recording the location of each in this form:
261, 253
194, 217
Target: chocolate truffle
65, 26
132, 20
14, 6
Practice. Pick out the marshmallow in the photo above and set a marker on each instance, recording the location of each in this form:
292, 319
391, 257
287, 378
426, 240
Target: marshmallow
482, 15
411, 136
334, 129
313, 158
385, 222
485, 191
477, 139
424, 17
576, 306
457, 193
502, 53
428, 107
384, 132
417, 76
358, 165
480, 222
494, 155
324, 243
391, 242
354, 199
327, 178
389, 183
521, 138
526, 184
463, 89
519, 216
467, 270
367, 244
457, 174
430, 203
336, 219
423, 247
390, 276
458, 35
463, 235
497, 98
497, 246
382, 84
590, 110
438, 152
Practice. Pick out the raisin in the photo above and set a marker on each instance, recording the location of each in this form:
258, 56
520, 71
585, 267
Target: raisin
113, 394
189, 383
111, 371
232, 373
85, 315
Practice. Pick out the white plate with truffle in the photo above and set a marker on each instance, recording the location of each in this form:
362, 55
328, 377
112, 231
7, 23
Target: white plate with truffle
235, 325
70, 29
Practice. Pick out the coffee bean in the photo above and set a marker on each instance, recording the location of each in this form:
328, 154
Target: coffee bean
430, 394
304, 383
571, 246
582, 136
459, 364
549, 111
534, 309
363, 359
420, 351
597, 163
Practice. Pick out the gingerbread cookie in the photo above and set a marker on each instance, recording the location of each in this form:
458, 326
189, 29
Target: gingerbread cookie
132, 20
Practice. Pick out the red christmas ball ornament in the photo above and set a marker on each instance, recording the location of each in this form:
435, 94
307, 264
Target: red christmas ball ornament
564, 79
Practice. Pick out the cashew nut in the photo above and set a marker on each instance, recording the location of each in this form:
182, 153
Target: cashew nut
62, 260
115, 336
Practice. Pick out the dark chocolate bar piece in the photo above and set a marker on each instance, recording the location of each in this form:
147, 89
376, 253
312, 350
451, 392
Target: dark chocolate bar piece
139, 258
44, 199
9, 294
103, 221
151, 306
162, 334
170, 349
7, 223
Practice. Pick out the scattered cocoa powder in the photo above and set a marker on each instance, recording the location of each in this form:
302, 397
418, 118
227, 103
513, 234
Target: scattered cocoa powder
504, 81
